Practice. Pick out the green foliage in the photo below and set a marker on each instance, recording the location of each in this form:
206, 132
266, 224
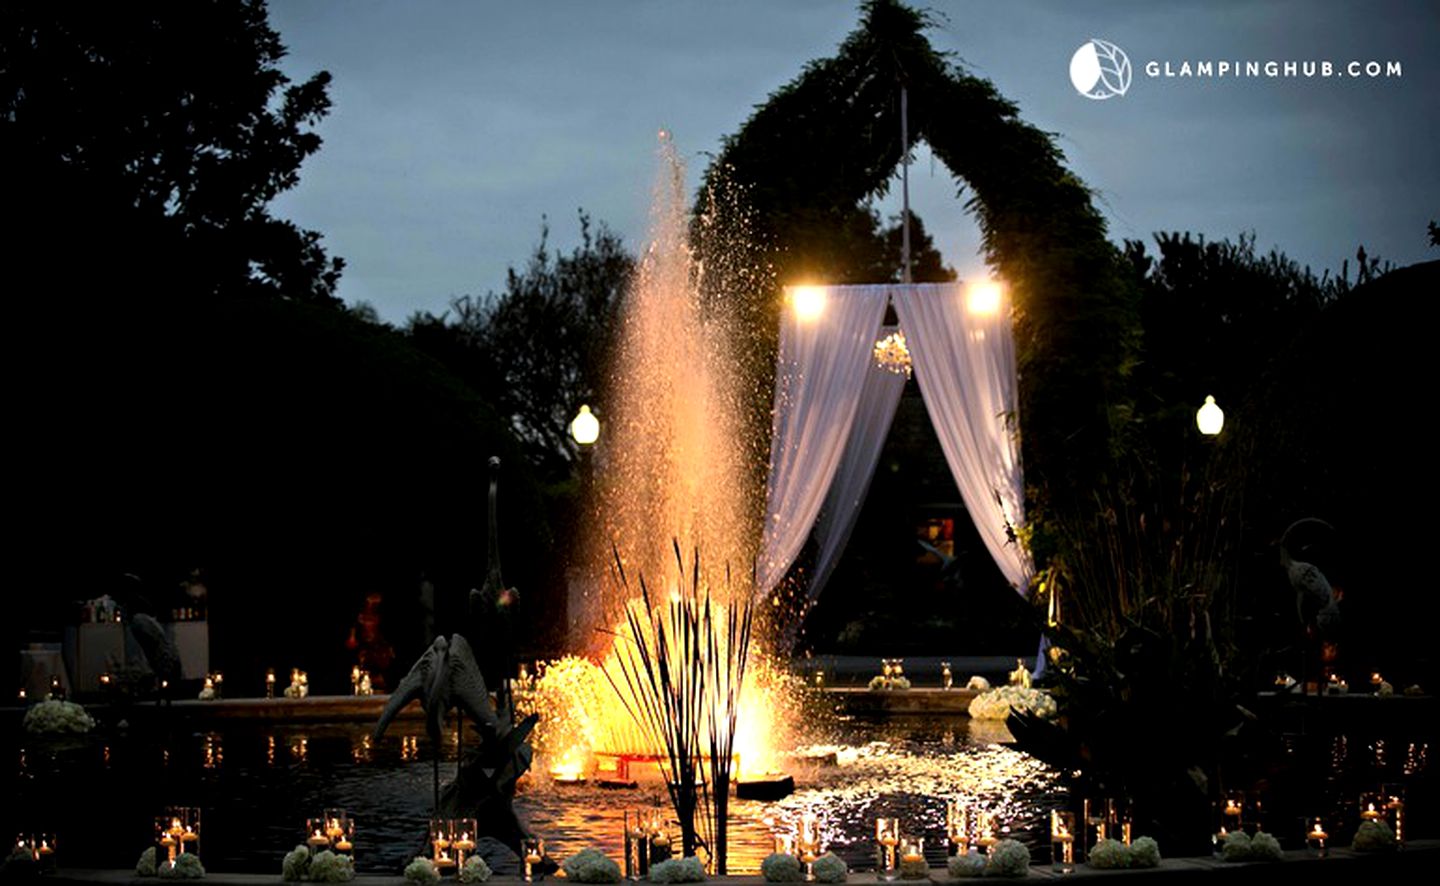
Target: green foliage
147, 140
537, 350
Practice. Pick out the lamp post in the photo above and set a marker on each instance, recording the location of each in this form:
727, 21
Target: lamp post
1210, 418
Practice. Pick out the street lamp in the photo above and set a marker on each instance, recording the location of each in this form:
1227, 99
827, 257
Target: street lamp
1210, 418
586, 427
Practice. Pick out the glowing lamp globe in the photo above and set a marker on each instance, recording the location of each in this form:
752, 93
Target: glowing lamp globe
586, 427
808, 302
983, 298
1210, 418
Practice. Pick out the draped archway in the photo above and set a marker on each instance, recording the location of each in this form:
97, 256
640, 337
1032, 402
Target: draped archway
805, 163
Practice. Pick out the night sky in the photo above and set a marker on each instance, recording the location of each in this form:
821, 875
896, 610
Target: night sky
457, 125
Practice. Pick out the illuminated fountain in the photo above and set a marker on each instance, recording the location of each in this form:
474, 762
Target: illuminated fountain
677, 469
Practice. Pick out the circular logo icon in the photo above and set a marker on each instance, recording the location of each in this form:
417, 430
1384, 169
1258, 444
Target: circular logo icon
1100, 69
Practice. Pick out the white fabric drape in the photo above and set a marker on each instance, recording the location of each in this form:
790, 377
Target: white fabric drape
965, 365
879, 397
821, 368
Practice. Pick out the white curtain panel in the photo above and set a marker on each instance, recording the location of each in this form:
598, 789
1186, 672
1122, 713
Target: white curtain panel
820, 370
965, 365
879, 396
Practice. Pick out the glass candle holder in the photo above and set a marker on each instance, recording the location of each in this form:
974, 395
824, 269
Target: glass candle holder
1394, 796
177, 831
441, 838
637, 844
44, 851
887, 842
987, 831
1099, 815
463, 833
947, 677
1372, 806
912, 859
345, 840
317, 834
809, 842
269, 682
957, 827
1062, 841
1316, 837
532, 850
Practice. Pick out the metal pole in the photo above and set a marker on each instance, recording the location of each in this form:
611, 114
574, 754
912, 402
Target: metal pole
905, 184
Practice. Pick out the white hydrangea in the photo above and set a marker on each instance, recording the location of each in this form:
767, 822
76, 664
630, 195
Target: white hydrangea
781, 867
330, 867
422, 870
1145, 853
475, 870
1109, 855
830, 868
997, 703
55, 717
678, 870
1008, 858
590, 865
971, 864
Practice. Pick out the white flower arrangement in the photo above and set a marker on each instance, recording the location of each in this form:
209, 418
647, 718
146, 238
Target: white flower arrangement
1264, 847
296, 865
1008, 858
331, 867
997, 703
978, 683
56, 717
590, 865
421, 870
145, 867
971, 864
1145, 853
878, 683
1109, 855
1236, 847
781, 867
475, 870
187, 866
1261, 847
1373, 836
830, 868
678, 870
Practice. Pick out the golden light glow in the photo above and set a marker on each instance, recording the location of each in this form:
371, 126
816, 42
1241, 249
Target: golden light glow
1210, 418
983, 299
808, 302
893, 354
586, 427
570, 767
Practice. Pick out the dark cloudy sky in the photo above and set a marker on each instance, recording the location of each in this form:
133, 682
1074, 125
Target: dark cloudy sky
457, 125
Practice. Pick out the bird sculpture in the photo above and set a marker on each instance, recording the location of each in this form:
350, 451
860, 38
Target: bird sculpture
494, 609
1317, 604
160, 652
445, 677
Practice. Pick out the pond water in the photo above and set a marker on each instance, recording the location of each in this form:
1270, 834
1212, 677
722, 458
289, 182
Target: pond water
258, 784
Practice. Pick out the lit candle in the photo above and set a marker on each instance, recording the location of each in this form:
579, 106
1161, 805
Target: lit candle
1370, 813
44, 848
343, 845
464, 844
318, 839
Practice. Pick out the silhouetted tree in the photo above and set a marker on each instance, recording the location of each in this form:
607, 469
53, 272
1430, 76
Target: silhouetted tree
143, 142
537, 350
